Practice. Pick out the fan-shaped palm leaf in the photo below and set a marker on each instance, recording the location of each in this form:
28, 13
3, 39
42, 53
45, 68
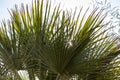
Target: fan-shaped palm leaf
55, 44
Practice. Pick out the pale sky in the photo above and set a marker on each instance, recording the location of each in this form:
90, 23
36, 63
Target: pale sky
69, 4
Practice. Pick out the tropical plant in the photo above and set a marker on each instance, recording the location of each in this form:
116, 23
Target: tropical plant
53, 44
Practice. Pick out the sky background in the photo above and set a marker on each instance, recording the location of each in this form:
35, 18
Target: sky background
6, 5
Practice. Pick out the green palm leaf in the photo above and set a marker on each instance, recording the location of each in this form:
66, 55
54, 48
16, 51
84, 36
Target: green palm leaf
52, 44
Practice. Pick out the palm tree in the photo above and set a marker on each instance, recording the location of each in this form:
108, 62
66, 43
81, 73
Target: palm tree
52, 44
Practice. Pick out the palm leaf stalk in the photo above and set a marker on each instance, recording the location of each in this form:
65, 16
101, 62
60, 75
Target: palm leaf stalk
52, 44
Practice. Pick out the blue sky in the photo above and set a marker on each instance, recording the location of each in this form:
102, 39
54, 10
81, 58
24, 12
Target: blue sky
8, 4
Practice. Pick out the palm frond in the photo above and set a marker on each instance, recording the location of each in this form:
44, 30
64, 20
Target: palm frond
55, 44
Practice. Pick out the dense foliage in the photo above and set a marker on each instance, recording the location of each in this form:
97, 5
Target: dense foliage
49, 43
